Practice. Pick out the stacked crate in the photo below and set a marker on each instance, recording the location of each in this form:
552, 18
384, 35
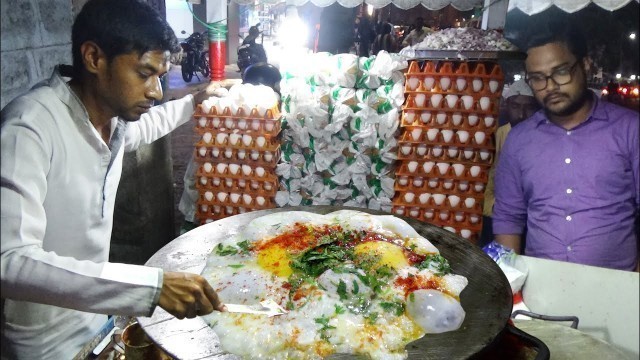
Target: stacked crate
236, 155
446, 146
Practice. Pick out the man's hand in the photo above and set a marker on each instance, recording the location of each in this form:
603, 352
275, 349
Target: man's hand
188, 295
205, 93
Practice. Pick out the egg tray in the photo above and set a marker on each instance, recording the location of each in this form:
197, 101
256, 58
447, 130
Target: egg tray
456, 84
257, 158
473, 228
236, 138
264, 127
479, 69
269, 175
454, 189
408, 136
492, 108
262, 188
269, 114
272, 145
400, 199
205, 217
434, 172
486, 123
418, 152
269, 203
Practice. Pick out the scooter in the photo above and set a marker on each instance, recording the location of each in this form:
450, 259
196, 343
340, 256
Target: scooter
250, 52
195, 59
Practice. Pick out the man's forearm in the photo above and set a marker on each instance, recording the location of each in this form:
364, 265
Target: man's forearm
509, 240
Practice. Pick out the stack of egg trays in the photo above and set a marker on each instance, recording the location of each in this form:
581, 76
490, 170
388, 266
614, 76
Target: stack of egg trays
237, 156
446, 145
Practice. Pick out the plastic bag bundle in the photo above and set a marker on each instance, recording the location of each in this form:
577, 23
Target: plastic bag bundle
339, 138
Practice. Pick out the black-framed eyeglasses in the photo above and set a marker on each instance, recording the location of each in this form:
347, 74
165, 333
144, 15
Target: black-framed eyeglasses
560, 76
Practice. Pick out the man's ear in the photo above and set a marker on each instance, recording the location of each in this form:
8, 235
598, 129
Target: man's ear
93, 58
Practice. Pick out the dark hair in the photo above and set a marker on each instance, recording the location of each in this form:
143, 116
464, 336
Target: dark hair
120, 27
565, 32
261, 74
386, 28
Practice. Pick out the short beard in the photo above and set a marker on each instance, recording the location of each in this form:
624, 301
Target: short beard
574, 107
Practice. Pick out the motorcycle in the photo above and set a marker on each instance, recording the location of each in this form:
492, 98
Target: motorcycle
250, 52
195, 59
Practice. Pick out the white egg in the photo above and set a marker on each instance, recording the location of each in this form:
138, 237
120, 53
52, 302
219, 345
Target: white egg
434, 311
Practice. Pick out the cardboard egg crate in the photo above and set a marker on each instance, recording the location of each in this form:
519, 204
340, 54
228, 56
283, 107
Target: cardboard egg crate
448, 186
464, 224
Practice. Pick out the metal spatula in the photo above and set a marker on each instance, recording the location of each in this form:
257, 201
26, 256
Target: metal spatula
267, 307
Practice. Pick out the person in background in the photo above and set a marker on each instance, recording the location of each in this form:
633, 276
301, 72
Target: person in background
385, 40
418, 34
569, 173
365, 36
519, 105
62, 150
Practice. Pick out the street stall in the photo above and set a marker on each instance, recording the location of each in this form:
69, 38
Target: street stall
407, 134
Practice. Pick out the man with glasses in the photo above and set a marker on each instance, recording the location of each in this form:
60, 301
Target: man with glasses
570, 172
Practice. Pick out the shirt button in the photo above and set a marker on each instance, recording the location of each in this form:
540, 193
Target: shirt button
567, 161
569, 132
569, 191
568, 218
569, 248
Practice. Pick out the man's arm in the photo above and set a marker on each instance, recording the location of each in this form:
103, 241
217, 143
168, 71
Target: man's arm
511, 241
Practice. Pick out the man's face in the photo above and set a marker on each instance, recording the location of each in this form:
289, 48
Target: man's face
561, 100
520, 107
130, 83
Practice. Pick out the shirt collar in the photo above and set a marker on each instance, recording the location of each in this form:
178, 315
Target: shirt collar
597, 112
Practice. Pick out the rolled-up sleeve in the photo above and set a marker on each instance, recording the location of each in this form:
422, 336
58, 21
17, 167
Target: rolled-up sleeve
510, 208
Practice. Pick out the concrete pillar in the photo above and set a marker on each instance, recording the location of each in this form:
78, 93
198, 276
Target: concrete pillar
495, 16
233, 34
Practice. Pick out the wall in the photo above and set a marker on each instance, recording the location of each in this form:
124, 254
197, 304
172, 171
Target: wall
34, 37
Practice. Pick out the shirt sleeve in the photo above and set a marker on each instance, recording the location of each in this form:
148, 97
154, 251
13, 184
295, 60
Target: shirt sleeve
510, 208
158, 122
29, 272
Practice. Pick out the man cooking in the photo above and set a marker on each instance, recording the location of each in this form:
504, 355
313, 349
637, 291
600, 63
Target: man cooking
62, 150
570, 172
419, 32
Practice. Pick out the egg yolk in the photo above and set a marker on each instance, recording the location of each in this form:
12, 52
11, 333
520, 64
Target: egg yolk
386, 254
275, 259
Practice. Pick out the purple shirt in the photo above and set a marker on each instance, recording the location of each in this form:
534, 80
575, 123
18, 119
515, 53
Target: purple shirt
577, 191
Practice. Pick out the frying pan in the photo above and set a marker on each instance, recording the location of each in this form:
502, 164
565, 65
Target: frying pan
487, 300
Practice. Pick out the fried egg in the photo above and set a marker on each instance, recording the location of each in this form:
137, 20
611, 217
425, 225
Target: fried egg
354, 283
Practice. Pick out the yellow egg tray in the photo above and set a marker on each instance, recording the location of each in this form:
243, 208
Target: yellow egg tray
252, 157
468, 156
218, 184
449, 120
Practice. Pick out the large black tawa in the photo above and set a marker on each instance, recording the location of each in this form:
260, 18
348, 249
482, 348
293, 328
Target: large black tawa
487, 300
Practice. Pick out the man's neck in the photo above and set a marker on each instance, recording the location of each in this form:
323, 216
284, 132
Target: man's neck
576, 118
98, 116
